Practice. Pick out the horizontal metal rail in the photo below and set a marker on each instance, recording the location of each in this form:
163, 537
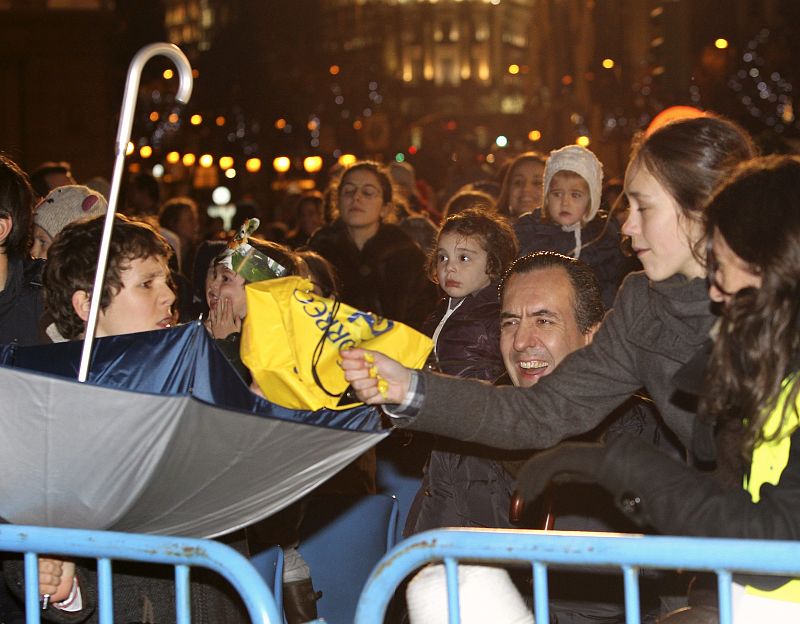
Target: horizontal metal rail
105, 546
540, 549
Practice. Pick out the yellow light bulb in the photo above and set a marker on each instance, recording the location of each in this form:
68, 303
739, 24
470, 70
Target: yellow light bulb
281, 164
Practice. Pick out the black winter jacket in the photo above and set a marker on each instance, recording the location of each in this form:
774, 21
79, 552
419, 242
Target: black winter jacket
469, 343
386, 277
600, 247
21, 303
653, 488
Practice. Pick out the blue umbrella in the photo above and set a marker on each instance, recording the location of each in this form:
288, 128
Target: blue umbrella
164, 437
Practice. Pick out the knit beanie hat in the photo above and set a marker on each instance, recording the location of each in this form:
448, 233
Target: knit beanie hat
583, 162
66, 204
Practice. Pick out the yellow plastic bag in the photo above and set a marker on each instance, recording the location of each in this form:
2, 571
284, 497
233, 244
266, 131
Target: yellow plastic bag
283, 345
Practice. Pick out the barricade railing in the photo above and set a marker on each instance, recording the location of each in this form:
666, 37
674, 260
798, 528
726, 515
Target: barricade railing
542, 550
105, 546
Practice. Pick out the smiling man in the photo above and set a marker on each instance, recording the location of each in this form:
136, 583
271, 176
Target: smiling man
550, 308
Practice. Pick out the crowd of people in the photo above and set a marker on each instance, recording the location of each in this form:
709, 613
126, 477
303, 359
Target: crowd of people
620, 367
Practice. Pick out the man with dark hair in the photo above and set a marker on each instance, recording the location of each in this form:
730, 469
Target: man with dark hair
20, 277
50, 175
551, 306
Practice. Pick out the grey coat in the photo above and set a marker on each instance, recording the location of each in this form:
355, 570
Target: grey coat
653, 329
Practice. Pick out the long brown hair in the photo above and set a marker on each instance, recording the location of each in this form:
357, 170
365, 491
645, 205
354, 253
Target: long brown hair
757, 212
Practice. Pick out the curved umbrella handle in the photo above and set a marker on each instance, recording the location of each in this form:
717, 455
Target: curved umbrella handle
123, 136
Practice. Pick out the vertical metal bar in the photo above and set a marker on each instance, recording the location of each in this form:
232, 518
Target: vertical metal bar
724, 581
183, 606
540, 592
32, 604
105, 591
453, 599
633, 606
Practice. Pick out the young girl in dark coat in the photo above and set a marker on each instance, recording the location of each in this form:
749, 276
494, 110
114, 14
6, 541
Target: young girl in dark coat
568, 222
473, 250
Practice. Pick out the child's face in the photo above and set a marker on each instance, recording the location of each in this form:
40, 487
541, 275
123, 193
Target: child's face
222, 283
461, 264
143, 303
41, 242
525, 191
568, 198
661, 236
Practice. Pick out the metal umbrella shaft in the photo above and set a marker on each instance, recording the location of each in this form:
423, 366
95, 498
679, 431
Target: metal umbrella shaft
123, 136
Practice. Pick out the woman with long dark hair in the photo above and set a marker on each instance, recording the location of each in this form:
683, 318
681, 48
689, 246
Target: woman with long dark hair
751, 397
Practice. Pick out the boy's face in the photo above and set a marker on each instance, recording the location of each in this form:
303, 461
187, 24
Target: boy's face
568, 198
143, 303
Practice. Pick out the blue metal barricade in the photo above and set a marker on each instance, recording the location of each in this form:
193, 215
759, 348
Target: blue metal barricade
628, 553
105, 546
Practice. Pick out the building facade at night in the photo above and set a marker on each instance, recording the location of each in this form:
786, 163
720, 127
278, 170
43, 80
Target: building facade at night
421, 78
548, 70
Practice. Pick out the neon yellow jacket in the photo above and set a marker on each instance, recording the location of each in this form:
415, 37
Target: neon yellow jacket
767, 466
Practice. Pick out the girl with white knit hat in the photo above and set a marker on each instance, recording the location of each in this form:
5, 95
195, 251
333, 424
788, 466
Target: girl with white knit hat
569, 223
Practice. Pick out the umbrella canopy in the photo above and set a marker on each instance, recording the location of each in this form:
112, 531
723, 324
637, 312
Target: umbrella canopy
163, 438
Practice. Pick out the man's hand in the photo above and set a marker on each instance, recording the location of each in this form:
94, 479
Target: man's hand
55, 578
375, 377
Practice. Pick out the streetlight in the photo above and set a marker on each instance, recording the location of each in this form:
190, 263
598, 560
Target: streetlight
281, 164
312, 164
